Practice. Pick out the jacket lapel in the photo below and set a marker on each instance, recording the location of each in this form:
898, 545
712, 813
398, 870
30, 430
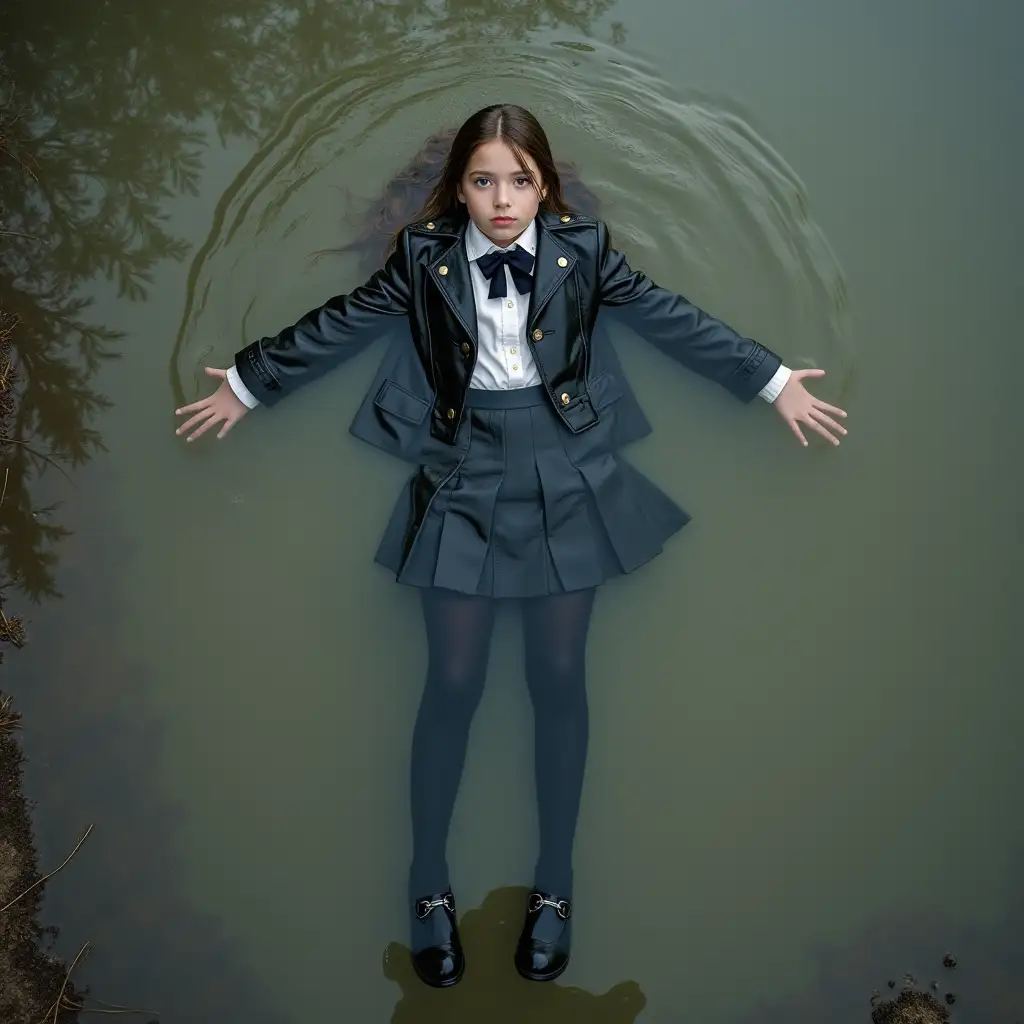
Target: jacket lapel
450, 273
548, 274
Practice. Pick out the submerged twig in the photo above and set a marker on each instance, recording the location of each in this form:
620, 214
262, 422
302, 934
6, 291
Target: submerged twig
7, 473
114, 1008
63, 1003
51, 874
60, 1003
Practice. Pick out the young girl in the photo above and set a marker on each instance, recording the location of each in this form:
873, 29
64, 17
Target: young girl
503, 391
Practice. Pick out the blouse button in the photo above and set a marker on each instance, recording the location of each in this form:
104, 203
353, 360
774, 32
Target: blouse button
515, 366
512, 350
565, 398
511, 304
538, 334
451, 414
466, 348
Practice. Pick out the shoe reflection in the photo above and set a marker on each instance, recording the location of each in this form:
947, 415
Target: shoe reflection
491, 989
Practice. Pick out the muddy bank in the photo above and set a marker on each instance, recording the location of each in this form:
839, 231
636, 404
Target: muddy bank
31, 979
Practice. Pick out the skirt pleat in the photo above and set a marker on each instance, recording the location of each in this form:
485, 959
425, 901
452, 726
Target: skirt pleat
516, 516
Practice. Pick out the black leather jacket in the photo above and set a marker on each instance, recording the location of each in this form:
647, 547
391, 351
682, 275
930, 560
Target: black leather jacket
427, 281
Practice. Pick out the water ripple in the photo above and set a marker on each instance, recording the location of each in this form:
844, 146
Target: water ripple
693, 194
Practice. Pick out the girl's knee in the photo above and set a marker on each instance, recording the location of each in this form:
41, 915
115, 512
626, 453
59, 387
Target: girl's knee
456, 683
557, 678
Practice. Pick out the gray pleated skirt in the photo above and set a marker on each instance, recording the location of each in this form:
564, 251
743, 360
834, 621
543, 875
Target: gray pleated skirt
521, 514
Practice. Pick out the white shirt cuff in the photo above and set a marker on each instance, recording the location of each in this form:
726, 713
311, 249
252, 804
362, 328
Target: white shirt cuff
242, 393
774, 387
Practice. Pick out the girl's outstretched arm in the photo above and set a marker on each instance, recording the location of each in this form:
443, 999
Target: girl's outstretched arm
271, 368
708, 346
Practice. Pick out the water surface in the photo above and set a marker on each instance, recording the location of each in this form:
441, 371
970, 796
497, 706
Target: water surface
804, 751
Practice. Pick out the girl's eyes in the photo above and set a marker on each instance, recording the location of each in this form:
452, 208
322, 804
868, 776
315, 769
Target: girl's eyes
522, 181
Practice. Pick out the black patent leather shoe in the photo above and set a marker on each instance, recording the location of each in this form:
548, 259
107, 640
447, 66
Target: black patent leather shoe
542, 953
442, 963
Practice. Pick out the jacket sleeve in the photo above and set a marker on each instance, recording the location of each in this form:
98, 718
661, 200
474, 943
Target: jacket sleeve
681, 330
271, 368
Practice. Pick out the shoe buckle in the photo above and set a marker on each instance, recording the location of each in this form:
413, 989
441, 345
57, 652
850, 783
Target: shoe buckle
424, 907
563, 907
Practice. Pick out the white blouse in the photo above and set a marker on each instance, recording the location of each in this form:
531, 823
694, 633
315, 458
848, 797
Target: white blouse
504, 360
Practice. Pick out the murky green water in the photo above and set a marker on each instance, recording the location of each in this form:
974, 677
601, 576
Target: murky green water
805, 755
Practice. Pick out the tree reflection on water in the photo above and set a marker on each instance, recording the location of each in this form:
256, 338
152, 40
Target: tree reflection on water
108, 109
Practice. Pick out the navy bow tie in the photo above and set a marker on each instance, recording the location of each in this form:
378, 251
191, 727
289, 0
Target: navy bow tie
519, 263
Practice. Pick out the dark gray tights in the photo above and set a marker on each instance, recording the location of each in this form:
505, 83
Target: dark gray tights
459, 630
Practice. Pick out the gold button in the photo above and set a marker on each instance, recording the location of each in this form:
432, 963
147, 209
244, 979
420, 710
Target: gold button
538, 334
512, 350
442, 271
430, 225
566, 219
565, 398
465, 348
562, 261
511, 304
451, 414
515, 366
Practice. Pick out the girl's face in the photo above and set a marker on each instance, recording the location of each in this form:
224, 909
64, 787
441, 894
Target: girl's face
498, 193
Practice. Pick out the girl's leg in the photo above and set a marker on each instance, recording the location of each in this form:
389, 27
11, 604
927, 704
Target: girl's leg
555, 637
458, 639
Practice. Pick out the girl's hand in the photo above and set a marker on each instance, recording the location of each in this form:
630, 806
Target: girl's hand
222, 406
797, 405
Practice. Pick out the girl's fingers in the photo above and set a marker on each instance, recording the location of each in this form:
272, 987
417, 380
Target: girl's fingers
214, 372
228, 424
194, 407
814, 425
828, 421
800, 374
211, 422
835, 410
198, 418
795, 427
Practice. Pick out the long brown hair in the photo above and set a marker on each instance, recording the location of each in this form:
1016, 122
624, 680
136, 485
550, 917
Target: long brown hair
411, 191
521, 132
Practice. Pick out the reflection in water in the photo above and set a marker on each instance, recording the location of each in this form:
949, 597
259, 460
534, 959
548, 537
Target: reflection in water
491, 990
51, 245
